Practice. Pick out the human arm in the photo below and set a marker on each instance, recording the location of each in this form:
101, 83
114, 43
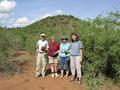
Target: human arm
81, 55
47, 47
81, 52
37, 47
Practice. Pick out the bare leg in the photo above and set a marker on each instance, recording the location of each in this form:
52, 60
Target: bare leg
56, 67
52, 70
62, 74
67, 74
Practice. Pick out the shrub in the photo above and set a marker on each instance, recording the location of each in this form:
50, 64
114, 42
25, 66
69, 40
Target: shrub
9, 45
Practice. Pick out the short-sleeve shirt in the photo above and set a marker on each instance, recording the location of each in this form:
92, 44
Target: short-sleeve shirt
64, 47
41, 44
53, 47
75, 48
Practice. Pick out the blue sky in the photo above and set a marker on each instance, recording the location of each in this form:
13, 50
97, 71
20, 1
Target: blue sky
25, 12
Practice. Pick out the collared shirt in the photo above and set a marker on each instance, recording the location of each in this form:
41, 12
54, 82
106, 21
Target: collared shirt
75, 48
41, 44
53, 47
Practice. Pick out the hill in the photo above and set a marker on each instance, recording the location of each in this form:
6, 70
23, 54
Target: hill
100, 37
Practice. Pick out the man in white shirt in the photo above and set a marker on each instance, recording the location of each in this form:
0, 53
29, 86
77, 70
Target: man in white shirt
41, 49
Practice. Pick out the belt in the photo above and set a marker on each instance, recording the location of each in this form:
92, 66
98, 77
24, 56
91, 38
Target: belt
41, 52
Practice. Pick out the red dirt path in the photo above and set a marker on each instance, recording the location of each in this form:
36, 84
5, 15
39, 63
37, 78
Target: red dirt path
26, 81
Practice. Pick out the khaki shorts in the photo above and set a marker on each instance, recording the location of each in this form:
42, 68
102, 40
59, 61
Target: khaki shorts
53, 59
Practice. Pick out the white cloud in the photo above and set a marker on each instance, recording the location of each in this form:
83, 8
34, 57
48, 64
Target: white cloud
6, 6
57, 12
4, 15
23, 21
45, 15
20, 22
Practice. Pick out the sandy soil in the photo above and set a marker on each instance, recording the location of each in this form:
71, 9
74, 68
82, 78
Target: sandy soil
26, 80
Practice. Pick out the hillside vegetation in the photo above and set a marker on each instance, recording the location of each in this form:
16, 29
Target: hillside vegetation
100, 37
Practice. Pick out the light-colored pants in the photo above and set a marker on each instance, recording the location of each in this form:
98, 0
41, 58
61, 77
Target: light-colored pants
41, 64
75, 65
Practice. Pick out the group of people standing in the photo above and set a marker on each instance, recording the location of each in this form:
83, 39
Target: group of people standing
68, 55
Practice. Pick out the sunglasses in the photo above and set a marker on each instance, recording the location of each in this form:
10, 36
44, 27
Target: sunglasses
64, 39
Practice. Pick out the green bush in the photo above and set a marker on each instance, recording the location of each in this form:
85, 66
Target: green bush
9, 45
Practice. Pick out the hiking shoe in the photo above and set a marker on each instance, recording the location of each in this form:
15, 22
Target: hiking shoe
72, 79
43, 75
37, 75
61, 76
79, 81
52, 75
56, 75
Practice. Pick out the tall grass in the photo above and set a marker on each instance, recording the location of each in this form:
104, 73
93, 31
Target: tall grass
9, 45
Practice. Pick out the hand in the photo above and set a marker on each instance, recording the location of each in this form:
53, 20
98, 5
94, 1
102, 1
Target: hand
66, 52
55, 53
36, 54
81, 61
37, 51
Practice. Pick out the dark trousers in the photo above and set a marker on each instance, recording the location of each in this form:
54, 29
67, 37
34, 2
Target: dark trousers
64, 63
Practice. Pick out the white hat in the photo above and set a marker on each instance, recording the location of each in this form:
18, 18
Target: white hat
42, 35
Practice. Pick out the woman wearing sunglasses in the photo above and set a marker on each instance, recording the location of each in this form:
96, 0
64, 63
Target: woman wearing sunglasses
64, 56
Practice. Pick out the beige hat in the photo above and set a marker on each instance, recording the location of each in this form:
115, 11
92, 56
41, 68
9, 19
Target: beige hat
42, 35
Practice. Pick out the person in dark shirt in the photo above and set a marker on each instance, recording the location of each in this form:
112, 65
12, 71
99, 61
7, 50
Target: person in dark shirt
53, 56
